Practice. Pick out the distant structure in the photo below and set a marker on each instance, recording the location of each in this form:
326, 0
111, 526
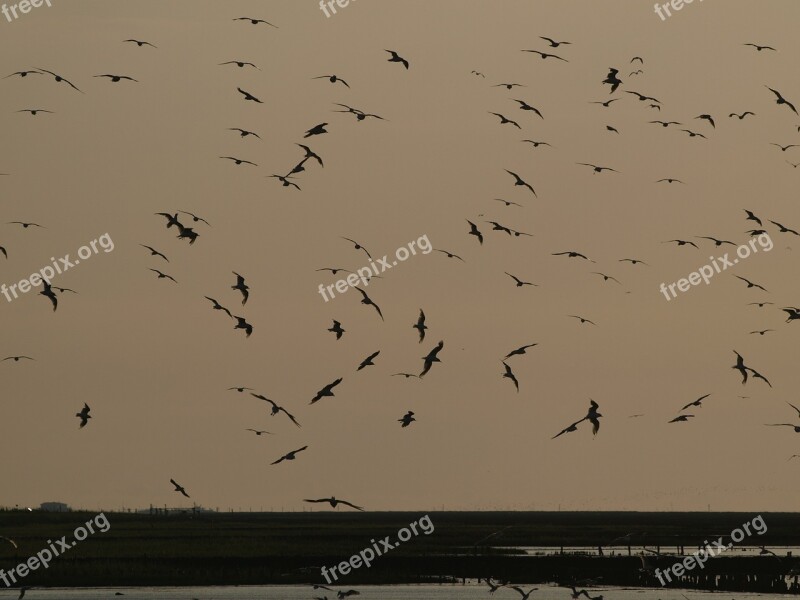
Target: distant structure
54, 507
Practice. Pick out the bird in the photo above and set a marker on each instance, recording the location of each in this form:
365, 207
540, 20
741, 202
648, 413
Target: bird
681, 243
84, 415
762, 331
179, 488
35, 111
284, 179
535, 145
520, 283
259, 432
612, 129
187, 233
743, 115
406, 375
241, 323
242, 287
255, 21
333, 79
48, 292
218, 306
239, 161
311, 154
693, 134
17, 358
696, 402
633, 261
450, 254
24, 224
248, 96
643, 98
606, 277
510, 375
759, 304
497, 227
164, 275
431, 358
240, 389
407, 419
666, 123
525, 106
795, 165
239, 63
508, 86
571, 254
708, 118
715, 240
59, 78
62, 290
519, 181
525, 595
752, 217
636, 72
334, 502
366, 300
669, 180
681, 418
244, 132
553, 43
316, 130
360, 114
740, 366
195, 218
545, 55
326, 391
276, 408
395, 57
154, 252
24, 73
334, 271
784, 148
606, 104
795, 427
289, 456
794, 313
760, 48
582, 320
784, 229
597, 169
473, 230
358, 246
337, 329
750, 284
519, 351
140, 43
171, 219
368, 361
592, 416
420, 325
504, 120
118, 78
639, 58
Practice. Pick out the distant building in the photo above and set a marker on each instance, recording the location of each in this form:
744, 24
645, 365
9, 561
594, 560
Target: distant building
54, 507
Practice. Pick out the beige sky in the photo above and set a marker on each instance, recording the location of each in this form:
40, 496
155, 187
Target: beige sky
154, 361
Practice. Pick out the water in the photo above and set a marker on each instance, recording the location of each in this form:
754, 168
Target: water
472, 591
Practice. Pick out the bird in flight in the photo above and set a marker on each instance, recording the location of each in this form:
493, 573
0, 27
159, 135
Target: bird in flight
35, 111
553, 43
179, 488
545, 55
783, 228
743, 115
164, 275
24, 224
333, 79
358, 246
525, 595
284, 179
669, 180
597, 169
255, 21
218, 306
9, 540
509, 86
504, 120
525, 106
592, 416
48, 292
407, 419
761, 331
752, 217
760, 48
59, 79
643, 98
84, 415
289, 456
420, 325
23, 74
606, 277
17, 358
519, 351
334, 502
450, 254
140, 43
337, 329
612, 129
473, 230
784, 148
681, 243
242, 287
395, 57
326, 391
431, 358
239, 389
248, 96
535, 145
259, 431
154, 252
510, 375
583, 320
239, 63
406, 375
366, 300
518, 181
276, 408
241, 323
360, 114
697, 402
633, 261
244, 132
681, 418
239, 161
118, 78
708, 118
195, 218
607, 103
518, 281
666, 123
715, 240
694, 134
750, 284
571, 254
368, 361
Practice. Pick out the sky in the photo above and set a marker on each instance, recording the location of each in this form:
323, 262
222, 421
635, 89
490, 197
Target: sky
154, 361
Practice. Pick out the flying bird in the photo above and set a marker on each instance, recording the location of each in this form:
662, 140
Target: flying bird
420, 325
784, 229
525, 106
195, 218
241, 323
24, 73
334, 502
431, 358
582, 320
358, 246
48, 292
508, 86
708, 118
242, 287
510, 375
669, 180
255, 21
750, 284
784, 148
59, 79
545, 55
35, 111
244, 132
140, 43
337, 329
17, 358
326, 391
397, 58
681, 418
154, 252
218, 306
504, 120
760, 48
407, 419
248, 96
239, 63
752, 217
24, 224
276, 408
743, 115
681, 243
259, 431
473, 230
289, 456
518, 281
179, 488
118, 78
521, 182
366, 300
643, 98
239, 161
368, 361
696, 403
164, 275
450, 254
333, 79
519, 351
597, 169
84, 415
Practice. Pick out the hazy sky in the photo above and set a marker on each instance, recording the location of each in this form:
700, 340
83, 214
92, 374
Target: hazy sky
154, 361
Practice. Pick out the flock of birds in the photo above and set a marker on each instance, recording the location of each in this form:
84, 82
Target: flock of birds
189, 227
